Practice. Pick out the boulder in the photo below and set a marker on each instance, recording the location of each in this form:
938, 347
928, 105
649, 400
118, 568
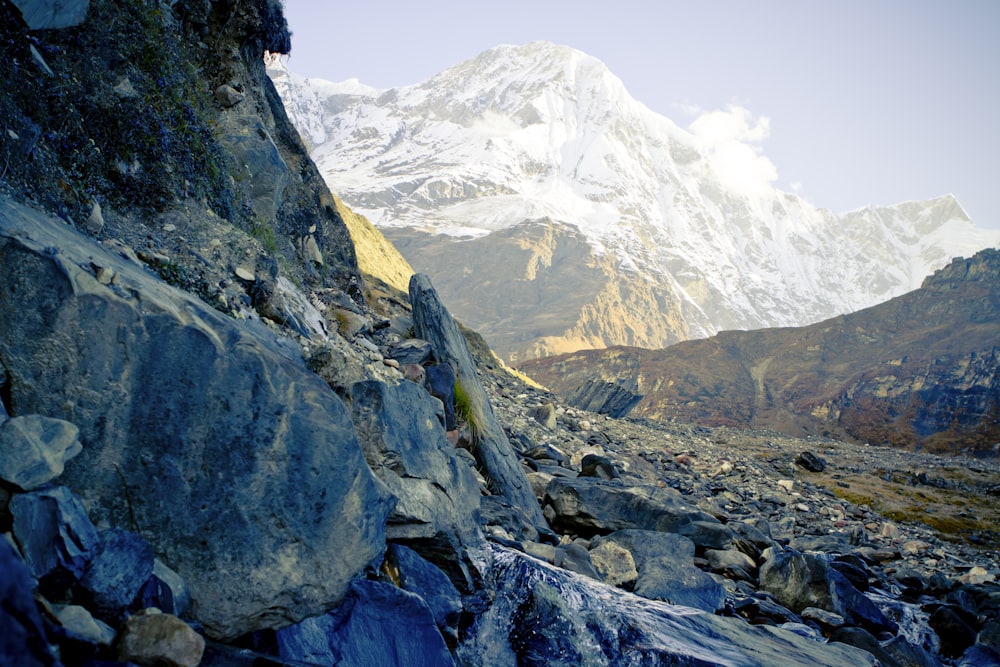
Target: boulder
588, 506
575, 558
121, 564
22, 641
811, 462
405, 445
732, 563
411, 351
494, 454
55, 535
377, 624
206, 434
954, 631
606, 398
679, 583
544, 415
594, 465
665, 569
614, 563
155, 639
254, 150
34, 449
800, 580
420, 577
708, 534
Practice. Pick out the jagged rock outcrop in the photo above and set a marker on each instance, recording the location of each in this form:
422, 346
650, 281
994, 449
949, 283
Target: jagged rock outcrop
241, 467
605, 398
919, 371
494, 454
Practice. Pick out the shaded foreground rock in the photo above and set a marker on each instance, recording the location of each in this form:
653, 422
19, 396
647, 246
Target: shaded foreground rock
555, 618
378, 624
172, 399
21, 640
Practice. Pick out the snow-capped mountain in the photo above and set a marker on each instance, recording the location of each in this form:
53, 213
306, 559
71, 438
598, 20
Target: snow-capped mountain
553, 211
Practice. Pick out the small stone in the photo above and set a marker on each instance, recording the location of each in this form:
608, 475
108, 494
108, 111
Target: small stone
544, 415
54, 533
104, 274
801, 507
786, 485
914, 547
585, 425
34, 449
244, 273
79, 621
95, 221
125, 90
120, 566
391, 363
827, 619
228, 96
977, 575
153, 638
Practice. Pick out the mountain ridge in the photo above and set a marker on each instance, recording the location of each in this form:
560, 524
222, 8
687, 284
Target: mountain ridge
919, 371
518, 134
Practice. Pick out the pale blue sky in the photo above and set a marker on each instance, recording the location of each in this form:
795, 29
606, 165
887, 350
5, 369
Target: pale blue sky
869, 102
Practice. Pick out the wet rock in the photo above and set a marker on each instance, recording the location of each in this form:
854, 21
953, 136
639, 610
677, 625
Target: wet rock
377, 624
587, 506
121, 564
545, 616
811, 462
155, 639
34, 449
180, 397
424, 579
496, 458
22, 641
405, 445
55, 535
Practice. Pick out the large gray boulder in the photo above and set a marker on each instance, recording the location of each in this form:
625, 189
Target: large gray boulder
496, 458
209, 438
588, 506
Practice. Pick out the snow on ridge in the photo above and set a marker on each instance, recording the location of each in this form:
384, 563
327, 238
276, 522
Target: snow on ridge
541, 130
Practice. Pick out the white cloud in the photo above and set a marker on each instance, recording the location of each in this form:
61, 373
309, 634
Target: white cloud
732, 139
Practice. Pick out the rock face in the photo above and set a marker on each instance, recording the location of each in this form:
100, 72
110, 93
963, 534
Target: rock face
406, 447
172, 399
494, 454
919, 371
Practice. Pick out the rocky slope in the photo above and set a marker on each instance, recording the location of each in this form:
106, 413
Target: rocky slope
920, 371
605, 223
219, 446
